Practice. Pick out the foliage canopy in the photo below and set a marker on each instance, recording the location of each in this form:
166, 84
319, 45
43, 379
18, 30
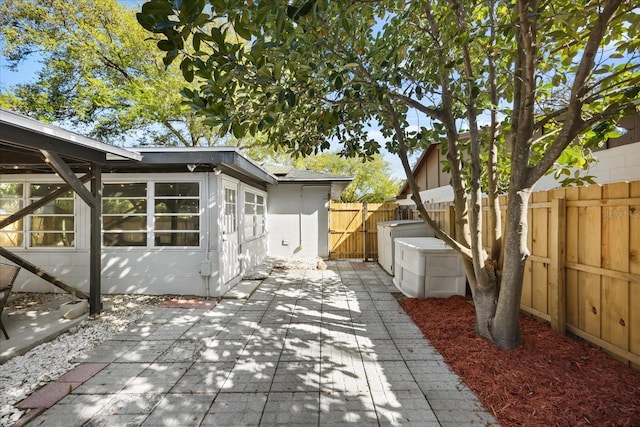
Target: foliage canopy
371, 179
96, 73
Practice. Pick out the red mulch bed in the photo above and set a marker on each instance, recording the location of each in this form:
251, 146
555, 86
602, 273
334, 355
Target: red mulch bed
551, 380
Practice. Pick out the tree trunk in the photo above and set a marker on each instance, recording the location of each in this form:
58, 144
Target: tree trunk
485, 302
484, 295
505, 325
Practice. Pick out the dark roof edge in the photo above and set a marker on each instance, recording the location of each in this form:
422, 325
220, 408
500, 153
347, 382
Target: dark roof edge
227, 156
27, 123
317, 180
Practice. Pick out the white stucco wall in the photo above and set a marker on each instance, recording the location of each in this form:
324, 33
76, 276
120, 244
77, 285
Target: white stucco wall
252, 253
617, 164
435, 195
152, 270
298, 220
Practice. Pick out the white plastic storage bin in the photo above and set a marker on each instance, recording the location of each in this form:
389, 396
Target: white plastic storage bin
426, 267
388, 231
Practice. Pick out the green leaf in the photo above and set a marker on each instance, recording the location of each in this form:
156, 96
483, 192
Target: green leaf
291, 99
147, 22
243, 31
201, 20
218, 5
158, 8
632, 92
238, 130
217, 36
166, 45
295, 13
170, 57
187, 69
165, 25
190, 10
196, 41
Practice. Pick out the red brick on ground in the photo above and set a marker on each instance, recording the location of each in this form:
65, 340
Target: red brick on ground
48, 395
82, 372
53, 392
189, 303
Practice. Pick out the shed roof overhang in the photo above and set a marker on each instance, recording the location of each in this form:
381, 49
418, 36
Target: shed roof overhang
337, 184
22, 140
290, 175
195, 159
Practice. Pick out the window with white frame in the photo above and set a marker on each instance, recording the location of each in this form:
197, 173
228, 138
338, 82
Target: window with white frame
254, 214
230, 224
172, 217
177, 214
11, 201
124, 214
51, 225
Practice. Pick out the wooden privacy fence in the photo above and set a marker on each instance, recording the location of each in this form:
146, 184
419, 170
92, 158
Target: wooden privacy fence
583, 275
353, 228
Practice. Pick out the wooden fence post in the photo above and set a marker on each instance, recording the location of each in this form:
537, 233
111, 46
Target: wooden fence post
557, 250
365, 215
452, 221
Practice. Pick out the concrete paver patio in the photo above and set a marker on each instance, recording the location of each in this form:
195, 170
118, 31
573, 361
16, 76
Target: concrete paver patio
308, 347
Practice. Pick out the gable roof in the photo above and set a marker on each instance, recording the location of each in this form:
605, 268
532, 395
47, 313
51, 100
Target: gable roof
418, 165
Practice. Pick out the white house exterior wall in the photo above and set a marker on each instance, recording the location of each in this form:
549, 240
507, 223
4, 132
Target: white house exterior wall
142, 270
298, 220
158, 270
616, 164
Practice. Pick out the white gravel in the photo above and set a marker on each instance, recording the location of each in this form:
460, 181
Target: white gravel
22, 375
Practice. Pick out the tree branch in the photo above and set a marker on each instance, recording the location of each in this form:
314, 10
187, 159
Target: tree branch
402, 153
176, 133
574, 123
495, 214
477, 251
